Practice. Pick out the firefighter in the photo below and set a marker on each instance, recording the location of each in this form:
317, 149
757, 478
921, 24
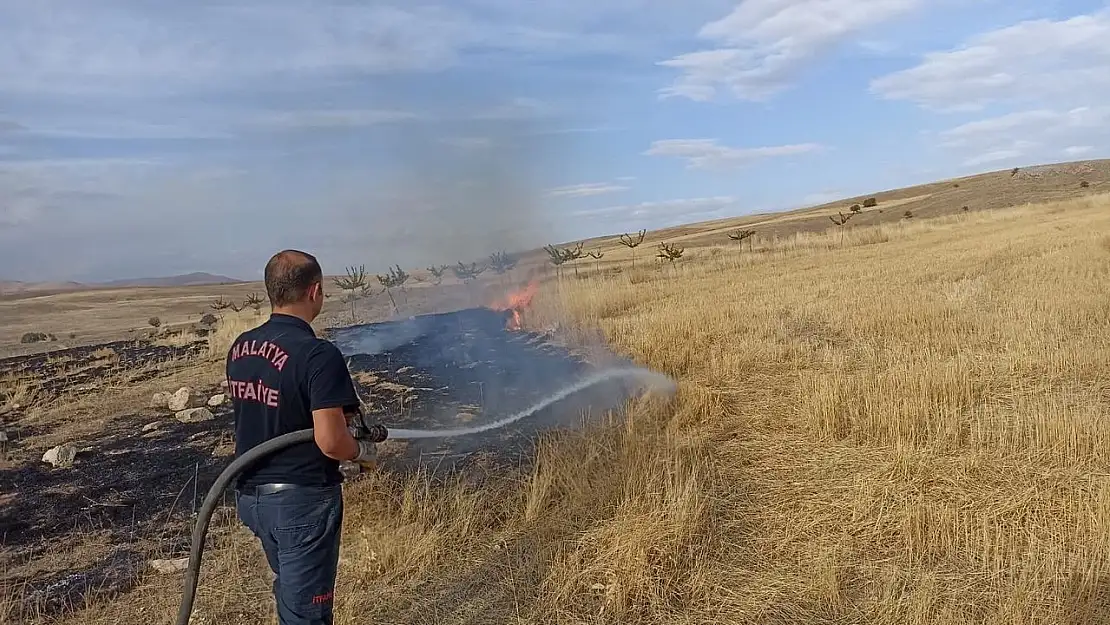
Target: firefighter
282, 378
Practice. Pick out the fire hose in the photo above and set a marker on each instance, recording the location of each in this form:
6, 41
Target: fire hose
374, 433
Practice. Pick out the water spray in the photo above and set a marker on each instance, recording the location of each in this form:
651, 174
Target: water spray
654, 380
377, 433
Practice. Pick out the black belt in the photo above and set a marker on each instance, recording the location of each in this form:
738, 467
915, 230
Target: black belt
270, 489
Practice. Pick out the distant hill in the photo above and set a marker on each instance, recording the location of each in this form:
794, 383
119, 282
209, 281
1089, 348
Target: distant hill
16, 287
188, 279
991, 190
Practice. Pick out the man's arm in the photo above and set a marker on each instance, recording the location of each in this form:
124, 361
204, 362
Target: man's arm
330, 391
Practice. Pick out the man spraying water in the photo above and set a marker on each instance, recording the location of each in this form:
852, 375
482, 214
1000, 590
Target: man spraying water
281, 379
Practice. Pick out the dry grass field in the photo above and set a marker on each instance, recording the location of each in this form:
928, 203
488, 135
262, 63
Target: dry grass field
886, 423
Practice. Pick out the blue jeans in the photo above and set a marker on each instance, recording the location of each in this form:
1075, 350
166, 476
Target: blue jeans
299, 529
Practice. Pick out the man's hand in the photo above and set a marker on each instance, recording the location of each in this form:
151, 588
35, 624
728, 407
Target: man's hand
367, 457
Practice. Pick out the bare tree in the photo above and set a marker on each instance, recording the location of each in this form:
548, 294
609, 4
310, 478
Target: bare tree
467, 273
555, 257
843, 218
573, 254
741, 235
396, 278
220, 305
597, 255
501, 263
632, 244
255, 302
670, 252
437, 273
351, 284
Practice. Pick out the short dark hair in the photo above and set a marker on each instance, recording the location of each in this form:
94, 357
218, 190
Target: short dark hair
289, 274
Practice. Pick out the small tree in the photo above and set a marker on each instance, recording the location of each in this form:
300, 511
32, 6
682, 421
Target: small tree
396, 278
573, 254
669, 252
965, 208
500, 262
437, 273
870, 203
555, 257
254, 301
632, 244
740, 235
467, 273
597, 256
220, 305
842, 219
351, 285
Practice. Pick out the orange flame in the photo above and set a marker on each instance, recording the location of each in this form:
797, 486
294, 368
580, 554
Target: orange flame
517, 302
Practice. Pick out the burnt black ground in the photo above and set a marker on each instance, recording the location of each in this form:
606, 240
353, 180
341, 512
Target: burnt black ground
137, 488
464, 369
61, 369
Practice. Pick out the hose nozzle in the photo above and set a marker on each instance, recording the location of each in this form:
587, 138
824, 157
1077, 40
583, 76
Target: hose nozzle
375, 433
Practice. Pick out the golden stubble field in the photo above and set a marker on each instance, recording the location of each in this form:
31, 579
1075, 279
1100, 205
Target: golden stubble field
901, 423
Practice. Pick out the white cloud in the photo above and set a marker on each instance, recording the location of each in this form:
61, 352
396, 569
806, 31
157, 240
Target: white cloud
75, 47
708, 154
319, 119
763, 45
516, 109
1040, 134
587, 189
995, 156
1059, 60
673, 211
1078, 150
468, 143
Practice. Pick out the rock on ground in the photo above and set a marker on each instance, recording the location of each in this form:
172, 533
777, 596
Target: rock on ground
160, 400
150, 427
216, 400
185, 398
194, 415
60, 456
167, 567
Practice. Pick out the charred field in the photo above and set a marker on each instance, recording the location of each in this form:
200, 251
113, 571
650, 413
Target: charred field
85, 531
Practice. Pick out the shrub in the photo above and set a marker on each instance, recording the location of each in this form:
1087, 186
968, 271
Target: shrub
154, 322
1084, 184
34, 337
908, 214
208, 319
855, 208
870, 203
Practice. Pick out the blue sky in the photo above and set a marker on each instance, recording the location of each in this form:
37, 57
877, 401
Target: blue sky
148, 137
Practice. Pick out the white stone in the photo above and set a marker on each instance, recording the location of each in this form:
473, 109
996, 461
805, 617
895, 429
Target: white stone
160, 400
60, 456
216, 400
194, 415
184, 398
168, 567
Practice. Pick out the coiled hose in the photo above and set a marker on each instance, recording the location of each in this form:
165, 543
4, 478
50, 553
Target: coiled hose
204, 517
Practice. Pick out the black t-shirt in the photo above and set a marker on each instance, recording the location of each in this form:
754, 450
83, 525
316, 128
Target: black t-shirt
277, 374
